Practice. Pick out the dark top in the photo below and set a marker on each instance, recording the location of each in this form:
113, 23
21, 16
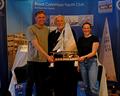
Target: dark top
52, 39
85, 44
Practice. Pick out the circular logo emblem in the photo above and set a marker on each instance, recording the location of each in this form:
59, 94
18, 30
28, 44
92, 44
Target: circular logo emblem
118, 4
2, 4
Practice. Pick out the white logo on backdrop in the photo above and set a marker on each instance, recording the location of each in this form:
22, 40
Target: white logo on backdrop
118, 4
2, 3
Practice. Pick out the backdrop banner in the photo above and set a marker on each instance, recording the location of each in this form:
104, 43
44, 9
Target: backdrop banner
3, 50
20, 15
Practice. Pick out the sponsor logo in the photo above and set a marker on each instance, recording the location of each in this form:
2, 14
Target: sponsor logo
105, 6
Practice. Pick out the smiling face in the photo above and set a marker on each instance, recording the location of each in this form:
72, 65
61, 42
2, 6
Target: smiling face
60, 22
40, 19
86, 28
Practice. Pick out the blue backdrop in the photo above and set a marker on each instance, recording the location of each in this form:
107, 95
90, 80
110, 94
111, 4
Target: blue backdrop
3, 50
19, 17
100, 9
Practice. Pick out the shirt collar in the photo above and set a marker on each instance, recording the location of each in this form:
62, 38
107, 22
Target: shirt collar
58, 31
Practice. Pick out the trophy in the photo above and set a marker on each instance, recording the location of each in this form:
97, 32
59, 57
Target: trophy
65, 56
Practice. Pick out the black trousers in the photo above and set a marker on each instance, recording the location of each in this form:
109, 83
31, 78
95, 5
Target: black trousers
65, 79
37, 73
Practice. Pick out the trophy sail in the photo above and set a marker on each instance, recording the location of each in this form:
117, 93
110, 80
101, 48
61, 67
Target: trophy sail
66, 41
